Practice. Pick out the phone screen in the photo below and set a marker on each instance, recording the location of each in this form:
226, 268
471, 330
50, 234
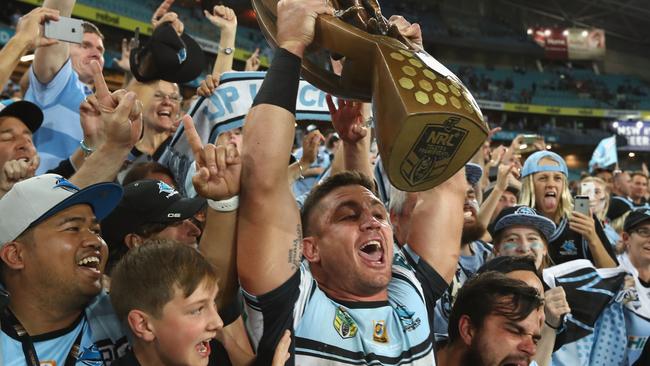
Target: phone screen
588, 189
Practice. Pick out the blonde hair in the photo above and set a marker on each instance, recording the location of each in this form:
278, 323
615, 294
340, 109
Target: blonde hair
603, 214
527, 196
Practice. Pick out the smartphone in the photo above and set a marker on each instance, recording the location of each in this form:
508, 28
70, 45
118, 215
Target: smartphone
581, 204
528, 143
65, 29
588, 189
530, 139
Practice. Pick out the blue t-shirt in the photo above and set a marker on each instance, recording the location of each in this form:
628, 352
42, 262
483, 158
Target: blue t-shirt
334, 332
59, 135
102, 340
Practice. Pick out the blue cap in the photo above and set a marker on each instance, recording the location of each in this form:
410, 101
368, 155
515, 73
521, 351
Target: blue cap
525, 216
473, 173
532, 166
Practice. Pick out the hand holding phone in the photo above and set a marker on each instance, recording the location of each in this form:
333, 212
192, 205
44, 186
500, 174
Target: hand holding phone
65, 29
581, 205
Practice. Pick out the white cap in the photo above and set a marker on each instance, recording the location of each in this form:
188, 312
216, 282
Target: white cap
33, 200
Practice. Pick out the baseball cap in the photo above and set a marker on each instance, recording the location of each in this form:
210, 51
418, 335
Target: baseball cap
522, 215
636, 217
473, 173
33, 200
27, 112
144, 202
167, 56
531, 165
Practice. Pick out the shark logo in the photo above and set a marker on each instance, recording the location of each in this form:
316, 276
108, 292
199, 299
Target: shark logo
166, 189
406, 317
569, 248
66, 185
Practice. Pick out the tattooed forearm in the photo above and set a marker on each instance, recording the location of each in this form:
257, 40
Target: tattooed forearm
295, 253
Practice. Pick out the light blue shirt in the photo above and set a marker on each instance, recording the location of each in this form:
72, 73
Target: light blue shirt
59, 135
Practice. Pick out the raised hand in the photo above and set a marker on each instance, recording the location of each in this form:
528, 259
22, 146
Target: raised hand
14, 171
296, 21
207, 86
163, 15
218, 168
222, 16
30, 27
347, 119
124, 62
91, 122
555, 306
410, 31
253, 62
310, 144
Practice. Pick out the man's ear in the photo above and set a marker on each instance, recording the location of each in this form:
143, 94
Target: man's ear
12, 254
310, 249
141, 326
132, 240
466, 329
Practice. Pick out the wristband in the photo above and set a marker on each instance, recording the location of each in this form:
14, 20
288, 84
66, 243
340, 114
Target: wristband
551, 326
85, 148
280, 85
228, 205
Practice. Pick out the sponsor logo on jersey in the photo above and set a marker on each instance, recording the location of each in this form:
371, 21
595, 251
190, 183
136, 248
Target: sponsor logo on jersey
344, 324
636, 343
380, 333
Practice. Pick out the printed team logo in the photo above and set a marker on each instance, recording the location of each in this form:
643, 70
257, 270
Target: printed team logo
568, 248
168, 190
66, 185
380, 333
406, 318
344, 324
432, 152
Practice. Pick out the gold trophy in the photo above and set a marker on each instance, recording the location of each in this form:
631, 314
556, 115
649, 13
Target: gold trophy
428, 124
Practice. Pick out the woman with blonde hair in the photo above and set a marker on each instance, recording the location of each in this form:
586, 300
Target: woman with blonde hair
577, 236
599, 204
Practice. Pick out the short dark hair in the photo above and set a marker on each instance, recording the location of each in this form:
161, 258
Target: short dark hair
148, 276
508, 263
492, 293
141, 171
319, 191
91, 28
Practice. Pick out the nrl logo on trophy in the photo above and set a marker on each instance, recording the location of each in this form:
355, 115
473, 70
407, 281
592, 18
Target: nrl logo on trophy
428, 125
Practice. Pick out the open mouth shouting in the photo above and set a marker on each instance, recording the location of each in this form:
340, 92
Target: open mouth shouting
91, 264
203, 348
372, 253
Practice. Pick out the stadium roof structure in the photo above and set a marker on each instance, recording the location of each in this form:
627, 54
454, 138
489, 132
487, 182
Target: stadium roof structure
626, 22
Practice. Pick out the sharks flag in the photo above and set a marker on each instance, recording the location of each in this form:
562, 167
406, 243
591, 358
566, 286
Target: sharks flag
226, 109
605, 154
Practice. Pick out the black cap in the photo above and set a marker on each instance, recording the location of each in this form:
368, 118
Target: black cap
635, 218
27, 112
167, 56
145, 202
522, 215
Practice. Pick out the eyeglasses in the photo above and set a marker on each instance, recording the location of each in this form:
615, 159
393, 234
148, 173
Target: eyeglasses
173, 97
643, 232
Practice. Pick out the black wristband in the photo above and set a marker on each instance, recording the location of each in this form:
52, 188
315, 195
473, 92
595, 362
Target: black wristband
280, 85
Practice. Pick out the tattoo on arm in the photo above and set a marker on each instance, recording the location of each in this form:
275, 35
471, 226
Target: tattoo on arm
295, 253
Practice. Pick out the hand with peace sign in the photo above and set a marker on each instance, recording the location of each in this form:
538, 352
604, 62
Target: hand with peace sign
120, 114
218, 168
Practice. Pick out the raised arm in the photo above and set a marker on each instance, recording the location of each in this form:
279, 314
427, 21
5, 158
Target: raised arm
49, 60
29, 35
437, 224
225, 19
348, 119
121, 119
269, 245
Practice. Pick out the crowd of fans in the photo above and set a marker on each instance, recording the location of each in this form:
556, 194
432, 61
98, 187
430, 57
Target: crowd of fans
310, 260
